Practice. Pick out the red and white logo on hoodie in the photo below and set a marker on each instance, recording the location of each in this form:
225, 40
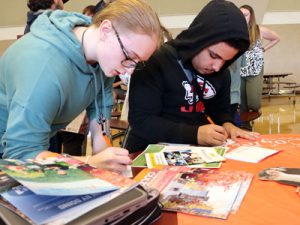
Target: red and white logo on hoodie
209, 91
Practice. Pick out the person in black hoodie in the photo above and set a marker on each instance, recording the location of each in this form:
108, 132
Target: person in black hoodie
187, 82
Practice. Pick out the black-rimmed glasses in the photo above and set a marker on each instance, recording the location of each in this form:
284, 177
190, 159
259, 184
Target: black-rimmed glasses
128, 62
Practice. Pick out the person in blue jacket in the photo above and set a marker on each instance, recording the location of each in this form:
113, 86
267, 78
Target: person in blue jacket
65, 65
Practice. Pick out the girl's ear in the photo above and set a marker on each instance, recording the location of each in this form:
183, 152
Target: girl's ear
105, 29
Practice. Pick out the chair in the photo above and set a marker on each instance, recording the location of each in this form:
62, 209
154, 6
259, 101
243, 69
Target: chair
247, 119
250, 116
121, 127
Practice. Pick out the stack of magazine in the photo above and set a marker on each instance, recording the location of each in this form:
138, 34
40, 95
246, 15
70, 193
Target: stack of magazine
57, 189
204, 192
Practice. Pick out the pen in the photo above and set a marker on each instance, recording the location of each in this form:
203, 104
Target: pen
210, 120
107, 141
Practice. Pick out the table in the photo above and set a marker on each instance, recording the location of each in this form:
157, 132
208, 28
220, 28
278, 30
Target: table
266, 202
273, 90
269, 78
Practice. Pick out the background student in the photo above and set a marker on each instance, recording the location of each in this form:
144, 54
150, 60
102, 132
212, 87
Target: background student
252, 72
37, 7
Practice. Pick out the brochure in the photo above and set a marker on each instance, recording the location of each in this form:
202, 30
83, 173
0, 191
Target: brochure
189, 157
198, 191
181, 155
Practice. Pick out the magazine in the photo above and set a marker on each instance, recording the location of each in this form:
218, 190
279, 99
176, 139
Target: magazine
181, 155
43, 209
59, 189
198, 191
62, 176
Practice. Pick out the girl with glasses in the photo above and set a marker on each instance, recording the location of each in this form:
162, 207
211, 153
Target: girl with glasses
67, 64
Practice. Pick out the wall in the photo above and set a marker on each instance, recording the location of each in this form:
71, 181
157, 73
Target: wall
284, 57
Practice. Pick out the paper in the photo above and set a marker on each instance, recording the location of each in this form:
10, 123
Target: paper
250, 153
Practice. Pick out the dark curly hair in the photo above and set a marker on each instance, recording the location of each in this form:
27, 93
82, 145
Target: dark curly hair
35, 5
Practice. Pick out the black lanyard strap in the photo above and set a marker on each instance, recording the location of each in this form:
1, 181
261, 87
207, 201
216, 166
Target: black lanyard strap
192, 78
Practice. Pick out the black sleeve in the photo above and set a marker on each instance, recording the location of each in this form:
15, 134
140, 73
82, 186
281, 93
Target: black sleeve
146, 106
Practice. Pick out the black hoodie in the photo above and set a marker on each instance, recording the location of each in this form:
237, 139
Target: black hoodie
218, 21
31, 17
162, 104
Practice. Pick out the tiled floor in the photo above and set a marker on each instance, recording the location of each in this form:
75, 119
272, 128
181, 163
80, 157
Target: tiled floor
279, 115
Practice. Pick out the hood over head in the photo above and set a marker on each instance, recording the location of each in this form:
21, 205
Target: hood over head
218, 21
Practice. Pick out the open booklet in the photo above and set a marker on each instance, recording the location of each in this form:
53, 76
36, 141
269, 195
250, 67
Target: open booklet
181, 155
198, 191
60, 188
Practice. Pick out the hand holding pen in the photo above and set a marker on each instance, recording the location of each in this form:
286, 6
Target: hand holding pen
211, 134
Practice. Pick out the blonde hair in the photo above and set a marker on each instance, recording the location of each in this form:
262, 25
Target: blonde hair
253, 28
134, 15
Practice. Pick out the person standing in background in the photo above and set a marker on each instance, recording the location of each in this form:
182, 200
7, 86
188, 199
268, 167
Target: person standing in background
37, 7
252, 72
89, 10
235, 90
